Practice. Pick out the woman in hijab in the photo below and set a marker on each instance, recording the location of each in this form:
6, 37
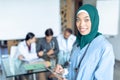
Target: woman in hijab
92, 56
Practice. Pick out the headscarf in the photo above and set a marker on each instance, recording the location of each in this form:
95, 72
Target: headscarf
82, 40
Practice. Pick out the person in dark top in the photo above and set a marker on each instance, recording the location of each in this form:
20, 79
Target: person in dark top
47, 47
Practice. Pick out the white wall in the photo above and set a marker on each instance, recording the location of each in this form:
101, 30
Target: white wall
108, 24
18, 17
93, 2
114, 40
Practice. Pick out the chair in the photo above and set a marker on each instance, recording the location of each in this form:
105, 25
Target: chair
12, 57
14, 62
13, 53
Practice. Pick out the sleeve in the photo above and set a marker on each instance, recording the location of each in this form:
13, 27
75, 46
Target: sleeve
22, 50
105, 67
38, 46
56, 50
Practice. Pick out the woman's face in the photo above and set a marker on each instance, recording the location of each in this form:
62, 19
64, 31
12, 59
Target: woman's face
33, 40
83, 23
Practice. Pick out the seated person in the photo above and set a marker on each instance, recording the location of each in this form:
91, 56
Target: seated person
47, 47
27, 48
65, 42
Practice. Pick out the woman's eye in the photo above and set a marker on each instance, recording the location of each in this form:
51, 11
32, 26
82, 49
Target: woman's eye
86, 20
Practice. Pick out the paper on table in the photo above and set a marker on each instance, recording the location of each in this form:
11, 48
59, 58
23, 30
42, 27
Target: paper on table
32, 58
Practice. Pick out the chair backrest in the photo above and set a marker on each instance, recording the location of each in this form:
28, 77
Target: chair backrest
13, 52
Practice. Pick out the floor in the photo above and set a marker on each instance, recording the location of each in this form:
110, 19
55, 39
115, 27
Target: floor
116, 69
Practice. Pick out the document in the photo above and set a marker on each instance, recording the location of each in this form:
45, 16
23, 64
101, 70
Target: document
33, 60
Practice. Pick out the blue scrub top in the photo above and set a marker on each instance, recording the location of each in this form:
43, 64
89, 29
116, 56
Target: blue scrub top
97, 64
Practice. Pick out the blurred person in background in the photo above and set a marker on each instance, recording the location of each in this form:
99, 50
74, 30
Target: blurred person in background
65, 42
47, 48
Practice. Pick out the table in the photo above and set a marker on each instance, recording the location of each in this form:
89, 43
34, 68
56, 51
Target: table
14, 67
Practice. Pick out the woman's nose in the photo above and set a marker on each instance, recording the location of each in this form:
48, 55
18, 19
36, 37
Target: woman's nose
82, 23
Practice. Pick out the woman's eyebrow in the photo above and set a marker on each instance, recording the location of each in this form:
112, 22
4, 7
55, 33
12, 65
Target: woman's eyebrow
86, 17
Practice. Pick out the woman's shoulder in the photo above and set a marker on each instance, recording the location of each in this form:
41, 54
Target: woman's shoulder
101, 41
101, 46
22, 43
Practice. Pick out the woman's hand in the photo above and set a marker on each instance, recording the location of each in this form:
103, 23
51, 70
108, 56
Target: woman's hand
20, 57
59, 69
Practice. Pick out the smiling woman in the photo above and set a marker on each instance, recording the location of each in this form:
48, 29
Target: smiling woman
17, 17
92, 57
83, 22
